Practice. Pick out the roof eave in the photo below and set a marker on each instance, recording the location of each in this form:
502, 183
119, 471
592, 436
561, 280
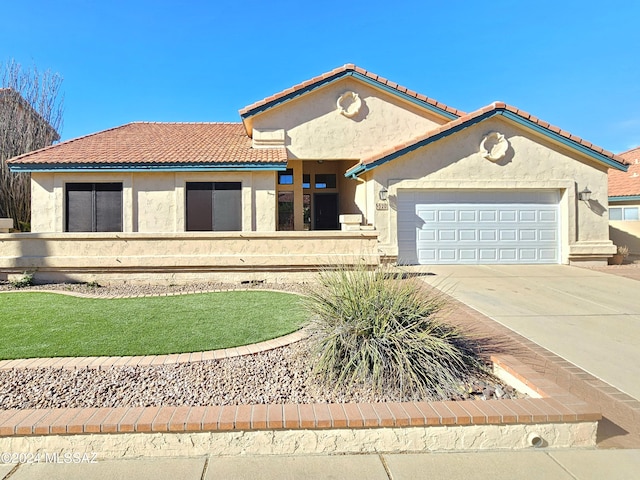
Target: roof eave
572, 144
146, 167
624, 198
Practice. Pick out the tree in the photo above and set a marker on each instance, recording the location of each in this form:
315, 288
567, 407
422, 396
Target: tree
31, 110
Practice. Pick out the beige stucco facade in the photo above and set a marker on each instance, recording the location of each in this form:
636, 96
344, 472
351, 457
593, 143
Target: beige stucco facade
531, 163
315, 129
626, 232
375, 139
154, 202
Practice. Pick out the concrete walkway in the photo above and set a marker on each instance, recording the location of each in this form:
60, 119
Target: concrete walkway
550, 464
589, 318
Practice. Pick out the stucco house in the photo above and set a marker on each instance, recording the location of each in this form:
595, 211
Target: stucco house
624, 202
344, 162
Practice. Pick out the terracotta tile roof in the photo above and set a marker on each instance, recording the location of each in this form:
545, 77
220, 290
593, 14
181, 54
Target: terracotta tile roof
469, 119
622, 184
146, 143
338, 72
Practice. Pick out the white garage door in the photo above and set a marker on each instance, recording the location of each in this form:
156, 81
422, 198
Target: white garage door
478, 227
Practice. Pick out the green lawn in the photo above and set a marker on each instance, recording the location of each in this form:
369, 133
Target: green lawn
35, 324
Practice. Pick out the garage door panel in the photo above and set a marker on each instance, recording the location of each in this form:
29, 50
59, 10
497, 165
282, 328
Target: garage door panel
508, 254
488, 235
447, 254
427, 255
548, 235
467, 255
447, 216
468, 216
488, 215
468, 235
488, 254
508, 235
523, 229
508, 215
527, 235
548, 216
427, 215
547, 254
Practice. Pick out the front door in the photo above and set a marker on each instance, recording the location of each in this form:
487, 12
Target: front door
325, 211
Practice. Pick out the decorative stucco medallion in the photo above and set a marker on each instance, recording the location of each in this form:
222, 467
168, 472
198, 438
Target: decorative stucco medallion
349, 104
494, 146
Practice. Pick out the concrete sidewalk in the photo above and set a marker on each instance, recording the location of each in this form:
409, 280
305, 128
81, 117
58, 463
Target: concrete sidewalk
534, 464
589, 318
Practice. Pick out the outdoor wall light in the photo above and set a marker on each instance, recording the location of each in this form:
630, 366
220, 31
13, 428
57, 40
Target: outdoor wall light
585, 195
383, 194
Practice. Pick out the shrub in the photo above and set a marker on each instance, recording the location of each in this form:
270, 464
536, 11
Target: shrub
375, 328
25, 281
623, 250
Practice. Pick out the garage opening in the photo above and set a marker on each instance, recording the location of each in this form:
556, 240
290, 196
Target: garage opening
478, 227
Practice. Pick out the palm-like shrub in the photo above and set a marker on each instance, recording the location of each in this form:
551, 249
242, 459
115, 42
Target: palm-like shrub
374, 328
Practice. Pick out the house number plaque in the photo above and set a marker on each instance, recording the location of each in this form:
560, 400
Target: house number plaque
382, 206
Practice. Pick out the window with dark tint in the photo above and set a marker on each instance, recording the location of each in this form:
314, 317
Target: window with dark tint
93, 207
285, 210
286, 177
214, 206
325, 180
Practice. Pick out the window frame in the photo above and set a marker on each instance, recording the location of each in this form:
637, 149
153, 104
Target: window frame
193, 222
622, 212
95, 205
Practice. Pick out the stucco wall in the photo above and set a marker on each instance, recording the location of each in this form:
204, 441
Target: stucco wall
626, 233
314, 128
154, 202
190, 256
531, 162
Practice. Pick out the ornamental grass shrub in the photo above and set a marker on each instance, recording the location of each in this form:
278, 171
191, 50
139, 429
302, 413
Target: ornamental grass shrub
375, 328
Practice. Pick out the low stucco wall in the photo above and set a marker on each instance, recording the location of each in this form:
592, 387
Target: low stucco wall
310, 441
182, 256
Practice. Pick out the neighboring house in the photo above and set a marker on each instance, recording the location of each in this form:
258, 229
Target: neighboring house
624, 202
345, 150
18, 115
22, 129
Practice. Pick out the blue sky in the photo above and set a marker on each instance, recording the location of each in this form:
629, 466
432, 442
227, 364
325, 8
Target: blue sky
575, 64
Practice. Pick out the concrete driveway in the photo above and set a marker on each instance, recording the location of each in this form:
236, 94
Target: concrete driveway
589, 318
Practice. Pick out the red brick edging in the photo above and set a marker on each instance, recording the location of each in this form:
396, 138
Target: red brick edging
556, 406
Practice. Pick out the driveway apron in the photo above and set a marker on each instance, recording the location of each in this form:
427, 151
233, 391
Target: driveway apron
589, 318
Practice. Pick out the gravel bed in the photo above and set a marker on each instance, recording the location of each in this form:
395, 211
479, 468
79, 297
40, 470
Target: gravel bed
281, 375
135, 290
277, 376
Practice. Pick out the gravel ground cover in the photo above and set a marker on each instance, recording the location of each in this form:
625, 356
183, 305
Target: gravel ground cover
277, 376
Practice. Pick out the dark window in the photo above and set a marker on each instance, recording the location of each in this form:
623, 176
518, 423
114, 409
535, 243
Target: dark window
286, 177
94, 207
285, 210
306, 210
325, 180
214, 206
306, 180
